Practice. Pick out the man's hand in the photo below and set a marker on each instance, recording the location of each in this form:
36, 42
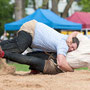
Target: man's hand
69, 42
69, 39
1, 53
62, 63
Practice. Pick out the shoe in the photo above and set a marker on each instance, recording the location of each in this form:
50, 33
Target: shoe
34, 72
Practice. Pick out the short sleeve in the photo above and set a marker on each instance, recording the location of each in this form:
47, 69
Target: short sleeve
62, 48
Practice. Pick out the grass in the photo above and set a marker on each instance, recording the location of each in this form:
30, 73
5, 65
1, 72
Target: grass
20, 67
82, 68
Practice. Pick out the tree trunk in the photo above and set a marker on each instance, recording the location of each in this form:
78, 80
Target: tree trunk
45, 4
34, 4
65, 13
55, 6
23, 8
19, 9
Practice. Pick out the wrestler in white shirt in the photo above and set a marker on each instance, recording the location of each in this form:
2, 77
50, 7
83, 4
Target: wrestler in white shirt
81, 56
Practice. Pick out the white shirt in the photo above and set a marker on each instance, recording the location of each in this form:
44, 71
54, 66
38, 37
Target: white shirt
81, 56
4, 37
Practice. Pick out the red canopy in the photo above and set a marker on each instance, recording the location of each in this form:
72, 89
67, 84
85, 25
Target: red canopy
82, 18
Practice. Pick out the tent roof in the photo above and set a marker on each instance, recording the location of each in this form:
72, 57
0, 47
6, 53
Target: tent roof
47, 17
82, 18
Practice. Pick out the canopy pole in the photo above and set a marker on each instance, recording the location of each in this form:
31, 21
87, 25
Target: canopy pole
86, 31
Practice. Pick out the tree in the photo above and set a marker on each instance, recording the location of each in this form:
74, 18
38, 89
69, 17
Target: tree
20, 8
55, 6
85, 4
45, 4
65, 13
34, 4
6, 13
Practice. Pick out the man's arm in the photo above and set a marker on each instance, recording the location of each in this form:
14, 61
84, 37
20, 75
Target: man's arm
62, 63
69, 39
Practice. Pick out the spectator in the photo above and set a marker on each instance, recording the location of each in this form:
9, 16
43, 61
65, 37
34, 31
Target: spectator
4, 36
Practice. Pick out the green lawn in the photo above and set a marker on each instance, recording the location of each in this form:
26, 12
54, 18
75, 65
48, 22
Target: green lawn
83, 68
21, 67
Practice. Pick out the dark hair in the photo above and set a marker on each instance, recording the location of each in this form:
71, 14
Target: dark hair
75, 40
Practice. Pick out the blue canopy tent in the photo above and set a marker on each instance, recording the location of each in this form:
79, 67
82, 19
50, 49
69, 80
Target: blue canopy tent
47, 17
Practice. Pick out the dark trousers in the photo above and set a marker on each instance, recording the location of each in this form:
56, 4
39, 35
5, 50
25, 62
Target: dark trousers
19, 44
37, 60
33, 59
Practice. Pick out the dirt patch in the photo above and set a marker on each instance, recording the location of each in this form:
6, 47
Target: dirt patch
66, 81
78, 80
5, 68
